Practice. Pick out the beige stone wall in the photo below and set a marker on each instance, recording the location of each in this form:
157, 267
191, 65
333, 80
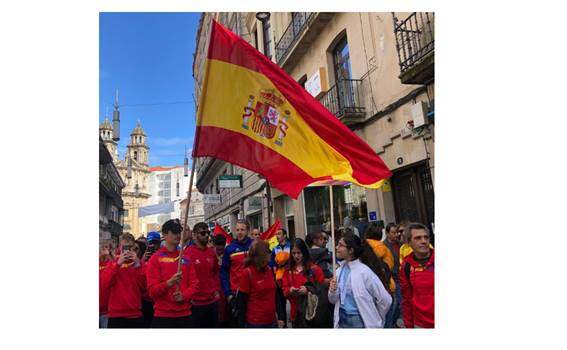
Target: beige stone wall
374, 59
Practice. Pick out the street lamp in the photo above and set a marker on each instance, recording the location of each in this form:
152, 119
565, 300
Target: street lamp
262, 16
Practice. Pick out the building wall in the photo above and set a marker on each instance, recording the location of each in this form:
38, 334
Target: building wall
373, 57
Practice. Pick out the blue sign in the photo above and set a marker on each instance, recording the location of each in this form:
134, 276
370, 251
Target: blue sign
372, 216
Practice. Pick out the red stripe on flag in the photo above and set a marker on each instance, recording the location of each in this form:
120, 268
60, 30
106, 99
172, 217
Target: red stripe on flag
367, 166
248, 153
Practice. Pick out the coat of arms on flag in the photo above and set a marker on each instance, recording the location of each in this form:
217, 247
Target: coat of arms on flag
266, 116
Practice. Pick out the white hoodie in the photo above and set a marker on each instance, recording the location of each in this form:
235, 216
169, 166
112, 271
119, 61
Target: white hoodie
372, 299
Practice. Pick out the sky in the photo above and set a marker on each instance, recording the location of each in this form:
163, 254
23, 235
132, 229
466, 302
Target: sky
148, 57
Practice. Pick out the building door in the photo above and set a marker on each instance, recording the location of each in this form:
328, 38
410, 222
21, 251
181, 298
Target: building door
413, 195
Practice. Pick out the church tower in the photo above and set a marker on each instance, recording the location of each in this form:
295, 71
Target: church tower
135, 171
137, 148
106, 133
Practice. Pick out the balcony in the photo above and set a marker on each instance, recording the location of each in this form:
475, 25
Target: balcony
299, 35
415, 43
343, 100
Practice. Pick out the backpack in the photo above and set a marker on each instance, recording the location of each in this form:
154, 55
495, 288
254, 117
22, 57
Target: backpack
313, 309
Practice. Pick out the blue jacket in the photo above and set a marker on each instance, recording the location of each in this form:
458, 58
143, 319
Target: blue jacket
232, 264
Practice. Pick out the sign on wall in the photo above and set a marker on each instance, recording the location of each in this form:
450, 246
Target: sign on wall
211, 199
317, 83
230, 181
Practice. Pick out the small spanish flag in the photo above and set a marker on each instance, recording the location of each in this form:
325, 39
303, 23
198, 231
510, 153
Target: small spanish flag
220, 231
270, 235
253, 114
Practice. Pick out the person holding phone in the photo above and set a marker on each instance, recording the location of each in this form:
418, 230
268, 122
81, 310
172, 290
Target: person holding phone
171, 290
301, 270
124, 281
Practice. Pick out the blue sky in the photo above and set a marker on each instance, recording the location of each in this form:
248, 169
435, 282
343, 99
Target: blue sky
148, 57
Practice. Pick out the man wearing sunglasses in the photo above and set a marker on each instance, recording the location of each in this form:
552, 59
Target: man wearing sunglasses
205, 307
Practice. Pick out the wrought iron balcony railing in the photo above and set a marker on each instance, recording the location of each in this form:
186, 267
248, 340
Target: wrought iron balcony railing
343, 99
414, 38
293, 32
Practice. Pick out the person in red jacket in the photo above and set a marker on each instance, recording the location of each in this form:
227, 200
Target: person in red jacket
417, 279
258, 302
104, 259
124, 281
205, 306
170, 290
301, 269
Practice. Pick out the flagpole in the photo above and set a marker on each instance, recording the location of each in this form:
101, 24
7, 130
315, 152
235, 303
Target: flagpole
332, 230
186, 212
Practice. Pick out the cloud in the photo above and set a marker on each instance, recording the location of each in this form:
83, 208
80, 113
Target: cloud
171, 141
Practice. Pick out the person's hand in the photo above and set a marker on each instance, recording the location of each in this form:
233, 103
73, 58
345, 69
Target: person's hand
122, 258
134, 258
147, 255
177, 296
302, 290
175, 279
281, 324
229, 298
333, 285
216, 295
294, 291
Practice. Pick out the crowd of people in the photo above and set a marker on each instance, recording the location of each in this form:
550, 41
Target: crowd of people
200, 281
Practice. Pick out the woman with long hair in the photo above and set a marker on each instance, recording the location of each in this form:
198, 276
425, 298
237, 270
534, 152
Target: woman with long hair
360, 298
300, 271
256, 296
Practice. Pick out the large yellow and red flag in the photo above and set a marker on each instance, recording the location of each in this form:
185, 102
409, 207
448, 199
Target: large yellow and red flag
253, 114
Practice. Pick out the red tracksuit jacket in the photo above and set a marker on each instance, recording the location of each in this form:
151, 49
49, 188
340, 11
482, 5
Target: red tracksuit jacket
207, 268
161, 266
102, 292
418, 293
124, 284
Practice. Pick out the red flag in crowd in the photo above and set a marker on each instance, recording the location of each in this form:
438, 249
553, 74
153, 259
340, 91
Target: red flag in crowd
220, 231
271, 231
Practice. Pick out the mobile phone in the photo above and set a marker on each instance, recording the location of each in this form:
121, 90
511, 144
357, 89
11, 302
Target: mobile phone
126, 248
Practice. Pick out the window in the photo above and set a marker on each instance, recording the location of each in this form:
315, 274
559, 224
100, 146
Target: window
177, 188
267, 39
343, 75
136, 155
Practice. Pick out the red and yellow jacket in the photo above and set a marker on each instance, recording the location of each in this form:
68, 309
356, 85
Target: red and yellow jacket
161, 266
418, 292
125, 285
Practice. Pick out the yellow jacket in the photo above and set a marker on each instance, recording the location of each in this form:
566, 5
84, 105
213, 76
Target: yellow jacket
384, 253
406, 250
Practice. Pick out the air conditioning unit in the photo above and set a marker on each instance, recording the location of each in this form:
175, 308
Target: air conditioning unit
419, 114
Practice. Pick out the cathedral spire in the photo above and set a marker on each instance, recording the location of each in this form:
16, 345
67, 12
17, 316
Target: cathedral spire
116, 119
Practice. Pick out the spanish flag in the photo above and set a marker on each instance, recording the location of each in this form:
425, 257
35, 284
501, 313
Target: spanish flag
220, 231
270, 235
252, 114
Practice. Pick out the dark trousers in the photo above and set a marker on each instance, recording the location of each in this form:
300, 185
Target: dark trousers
172, 322
147, 312
205, 316
121, 322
